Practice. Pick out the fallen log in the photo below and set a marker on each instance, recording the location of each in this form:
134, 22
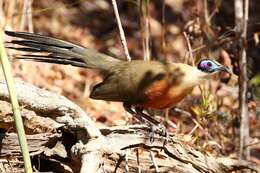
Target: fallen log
72, 138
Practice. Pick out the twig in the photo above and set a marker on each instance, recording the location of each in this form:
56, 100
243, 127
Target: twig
147, 32
145, 27
138, 161
163, 27
15, 106
213, 13
11, 10
206, 13
194, 128
197, 124
154, 162
190, 59
189, 114
241, 18
126, 161
253, 143
208, 16
27, 16
24, 15
170, 123
141, 16
121, 31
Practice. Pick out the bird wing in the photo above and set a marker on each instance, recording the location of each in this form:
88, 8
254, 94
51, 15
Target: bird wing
127, 81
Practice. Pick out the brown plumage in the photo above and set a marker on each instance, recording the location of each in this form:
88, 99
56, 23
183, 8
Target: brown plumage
136, 83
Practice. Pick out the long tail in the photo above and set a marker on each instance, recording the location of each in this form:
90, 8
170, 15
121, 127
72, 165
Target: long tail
59, 51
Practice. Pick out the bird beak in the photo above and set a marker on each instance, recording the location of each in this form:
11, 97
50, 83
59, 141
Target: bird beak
224, 69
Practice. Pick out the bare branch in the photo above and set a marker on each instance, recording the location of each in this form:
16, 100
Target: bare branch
241, 18
147, 32
190, 51
50, 104
154, 162
27, 16
121, 31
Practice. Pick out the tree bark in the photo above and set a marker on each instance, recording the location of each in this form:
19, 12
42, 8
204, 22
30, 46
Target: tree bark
75, 137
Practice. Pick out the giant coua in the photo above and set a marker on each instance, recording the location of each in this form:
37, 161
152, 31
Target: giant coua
138, 84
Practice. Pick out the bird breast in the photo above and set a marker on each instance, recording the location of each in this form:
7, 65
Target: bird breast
161, 95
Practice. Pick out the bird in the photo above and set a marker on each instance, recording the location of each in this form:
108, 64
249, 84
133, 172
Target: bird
138, 84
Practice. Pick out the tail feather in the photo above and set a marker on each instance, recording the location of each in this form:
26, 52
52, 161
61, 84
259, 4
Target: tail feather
25, 49
47, 40
59, 51
51, 59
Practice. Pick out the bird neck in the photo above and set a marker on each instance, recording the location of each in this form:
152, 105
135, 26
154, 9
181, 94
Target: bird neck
192, 75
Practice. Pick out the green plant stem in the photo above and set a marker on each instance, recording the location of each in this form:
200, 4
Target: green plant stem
15, 106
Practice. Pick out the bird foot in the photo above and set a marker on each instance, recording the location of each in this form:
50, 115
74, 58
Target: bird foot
156, 127
161, 131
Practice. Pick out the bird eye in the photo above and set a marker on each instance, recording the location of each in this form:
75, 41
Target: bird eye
206, 66
209, 64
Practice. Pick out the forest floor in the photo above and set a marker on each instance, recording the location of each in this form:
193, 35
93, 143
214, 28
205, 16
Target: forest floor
92, 24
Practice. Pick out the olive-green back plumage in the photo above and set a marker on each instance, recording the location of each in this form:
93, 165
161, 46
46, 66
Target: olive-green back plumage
127, 81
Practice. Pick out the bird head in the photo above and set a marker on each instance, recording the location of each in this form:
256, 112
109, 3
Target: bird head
204, 69
211, 66
192, 76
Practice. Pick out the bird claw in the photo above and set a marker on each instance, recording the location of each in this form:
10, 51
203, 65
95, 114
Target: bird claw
161, 131
77, 149
156, 127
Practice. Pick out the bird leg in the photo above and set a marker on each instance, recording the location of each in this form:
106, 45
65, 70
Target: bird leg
147, 117
142, 117
156, 127
129, 110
